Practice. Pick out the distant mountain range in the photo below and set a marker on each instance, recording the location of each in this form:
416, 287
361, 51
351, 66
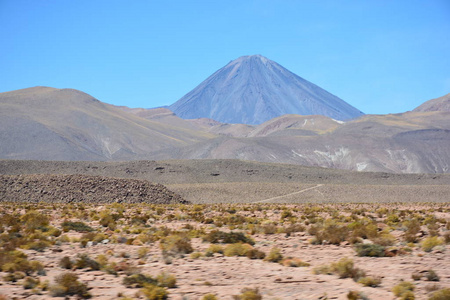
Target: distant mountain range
45, 123
254, 89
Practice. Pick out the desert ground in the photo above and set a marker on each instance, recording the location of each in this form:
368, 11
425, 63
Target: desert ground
222, 230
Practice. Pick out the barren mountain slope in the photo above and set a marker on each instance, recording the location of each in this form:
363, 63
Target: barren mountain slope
438, 104
66, 124
403, 143
253, 89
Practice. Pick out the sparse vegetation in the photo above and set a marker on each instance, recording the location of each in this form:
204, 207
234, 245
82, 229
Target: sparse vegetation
248, 294
68, 284
404, 290
140, 235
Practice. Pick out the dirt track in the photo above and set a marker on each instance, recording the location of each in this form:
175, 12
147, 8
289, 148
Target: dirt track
235, 181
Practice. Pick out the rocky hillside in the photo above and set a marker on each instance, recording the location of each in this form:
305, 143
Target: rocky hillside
83, 189
438, 104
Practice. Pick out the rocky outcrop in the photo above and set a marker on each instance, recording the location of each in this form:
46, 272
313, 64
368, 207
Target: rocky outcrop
83, 189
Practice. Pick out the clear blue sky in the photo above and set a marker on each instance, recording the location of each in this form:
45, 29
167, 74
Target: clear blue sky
379, 56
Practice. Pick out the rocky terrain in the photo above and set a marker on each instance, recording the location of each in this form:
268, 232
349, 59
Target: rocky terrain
201, 252
82, 189
234, 181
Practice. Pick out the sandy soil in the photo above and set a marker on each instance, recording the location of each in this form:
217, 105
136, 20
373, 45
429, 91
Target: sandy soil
225, 276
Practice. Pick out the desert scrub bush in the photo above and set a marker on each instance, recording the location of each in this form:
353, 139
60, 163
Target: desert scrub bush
197, 255
68, 284
16, 261
404, 290
255, 254
294, 262
412, 229
217, 236
175, 245
248, 294
142, 252
392, 219
76, 226
138, 280
83, 261
213, 248
330, 231
430, 242
297, 227
431, 275
363, 228
416, 276
153, 292
274, 255
344, 268
237, 249
210, 297
95, 237
33, 220
371, 250
30, 282
65, 263
37, 245
167, 280
384, 239
13, 277
269, 228
443, 294
356, 295
370, 281
63, 239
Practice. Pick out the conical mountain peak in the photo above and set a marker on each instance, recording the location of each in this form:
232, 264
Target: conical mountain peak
253, 89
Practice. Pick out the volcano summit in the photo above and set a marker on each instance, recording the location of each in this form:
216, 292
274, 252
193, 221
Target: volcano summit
254, 89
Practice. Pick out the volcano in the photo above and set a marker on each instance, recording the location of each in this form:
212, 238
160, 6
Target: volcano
253, 89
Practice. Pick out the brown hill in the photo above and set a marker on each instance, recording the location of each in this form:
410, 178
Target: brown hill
66, 124
413, 142
83, 189
51, 124
438, 104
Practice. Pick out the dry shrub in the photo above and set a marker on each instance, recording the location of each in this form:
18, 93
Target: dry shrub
443, 294
294, 262
68, 284
248, 294
167, 280
404, 290
274, 255
217, 236
371, 250
176, 244
430, 242
153, 292
370, 281
138, 280
237, 249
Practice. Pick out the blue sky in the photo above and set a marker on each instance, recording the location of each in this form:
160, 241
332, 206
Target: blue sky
379, 56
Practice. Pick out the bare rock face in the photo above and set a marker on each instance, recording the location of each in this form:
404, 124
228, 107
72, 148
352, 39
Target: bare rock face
253, 89
83, 189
